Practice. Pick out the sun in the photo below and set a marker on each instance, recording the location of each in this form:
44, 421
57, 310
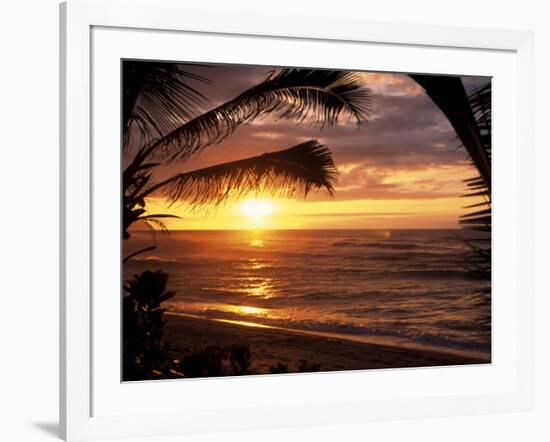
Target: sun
256, 208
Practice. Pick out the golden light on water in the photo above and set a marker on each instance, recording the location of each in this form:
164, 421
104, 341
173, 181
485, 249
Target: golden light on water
248, 310
254, 264
244, 323
260, 288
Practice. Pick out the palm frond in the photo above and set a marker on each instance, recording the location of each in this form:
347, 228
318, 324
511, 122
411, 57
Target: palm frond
480, 219
480, 101
154, 222
289, 172
470, 116
320, 96
158, 97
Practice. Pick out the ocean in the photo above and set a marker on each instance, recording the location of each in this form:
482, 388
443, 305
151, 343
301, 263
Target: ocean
399, 286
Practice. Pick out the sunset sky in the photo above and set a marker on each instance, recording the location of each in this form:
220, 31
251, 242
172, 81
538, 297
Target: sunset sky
404, 170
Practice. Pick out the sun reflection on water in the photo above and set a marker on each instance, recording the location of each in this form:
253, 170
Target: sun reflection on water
245, 323
254, 284
245, 310
257, 242
249, 310
255, 264
260, 288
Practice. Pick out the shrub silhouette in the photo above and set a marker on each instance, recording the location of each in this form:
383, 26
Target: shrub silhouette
240, 358
145, 355
279, 368
203, 362
306, 367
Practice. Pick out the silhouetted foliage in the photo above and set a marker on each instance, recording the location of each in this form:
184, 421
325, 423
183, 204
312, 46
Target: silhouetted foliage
156, 96
480, 217
319, 96
240, 358
145, 355
288, 172
448, 93
279, 368
471, 117
203, 362
307, 367
214, 360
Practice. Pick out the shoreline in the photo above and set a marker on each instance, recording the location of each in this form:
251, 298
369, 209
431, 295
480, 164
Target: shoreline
334, 352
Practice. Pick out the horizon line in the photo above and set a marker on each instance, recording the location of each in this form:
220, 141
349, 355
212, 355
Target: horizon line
321, 229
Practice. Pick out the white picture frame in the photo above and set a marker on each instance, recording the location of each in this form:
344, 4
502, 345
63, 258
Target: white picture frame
92, 407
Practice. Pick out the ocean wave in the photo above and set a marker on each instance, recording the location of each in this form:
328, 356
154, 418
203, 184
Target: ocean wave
155, 259
378, 245
395, 246
338, 280
433, 338
448, 257
439, 339
433, 274
379, 296
345, 243
462, 325
391, 245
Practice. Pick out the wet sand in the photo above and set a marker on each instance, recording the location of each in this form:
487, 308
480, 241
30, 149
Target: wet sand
270, 346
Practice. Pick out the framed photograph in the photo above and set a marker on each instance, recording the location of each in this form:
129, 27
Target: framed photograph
284, 221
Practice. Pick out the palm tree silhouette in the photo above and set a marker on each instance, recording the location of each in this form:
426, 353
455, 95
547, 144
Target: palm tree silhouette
471, 117
160, 112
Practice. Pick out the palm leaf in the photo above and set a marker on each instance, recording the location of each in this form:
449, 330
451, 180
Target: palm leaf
157, 97
470, 116
296, 170
321, 96
481, 218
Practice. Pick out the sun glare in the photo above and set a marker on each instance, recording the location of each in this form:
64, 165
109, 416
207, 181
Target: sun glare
256, 208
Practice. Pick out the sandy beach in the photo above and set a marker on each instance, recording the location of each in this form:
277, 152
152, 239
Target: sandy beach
271, 346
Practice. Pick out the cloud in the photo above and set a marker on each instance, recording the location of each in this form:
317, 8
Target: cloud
357, 214
391, 84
